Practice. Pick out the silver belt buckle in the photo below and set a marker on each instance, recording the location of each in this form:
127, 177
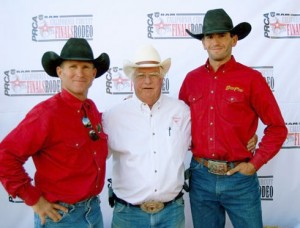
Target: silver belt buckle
152, 206
215, 167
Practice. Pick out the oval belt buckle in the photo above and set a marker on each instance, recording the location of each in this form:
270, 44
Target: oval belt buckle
152, 206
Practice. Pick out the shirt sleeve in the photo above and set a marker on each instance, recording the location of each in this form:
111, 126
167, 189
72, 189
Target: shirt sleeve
15, 149
275, 132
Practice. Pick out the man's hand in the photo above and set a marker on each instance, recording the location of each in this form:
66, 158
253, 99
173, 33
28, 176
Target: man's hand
245, 168
252, 143
44, 208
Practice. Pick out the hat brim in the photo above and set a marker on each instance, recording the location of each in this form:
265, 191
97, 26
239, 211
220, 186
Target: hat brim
130, 67
51, 60
241, 30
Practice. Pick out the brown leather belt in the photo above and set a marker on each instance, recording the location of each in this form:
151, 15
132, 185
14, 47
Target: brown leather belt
218, 167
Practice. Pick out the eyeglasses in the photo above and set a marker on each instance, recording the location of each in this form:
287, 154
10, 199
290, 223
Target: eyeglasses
11, 199
143, 76
92, 133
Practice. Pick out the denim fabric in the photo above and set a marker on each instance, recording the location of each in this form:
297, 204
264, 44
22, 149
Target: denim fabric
85, 214
172, 216
212, 195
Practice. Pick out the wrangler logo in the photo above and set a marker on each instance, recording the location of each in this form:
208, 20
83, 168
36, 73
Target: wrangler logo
234, 88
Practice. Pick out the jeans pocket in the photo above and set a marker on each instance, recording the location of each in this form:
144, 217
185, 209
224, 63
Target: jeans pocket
62, 214
180, 201
119, 207
195, 165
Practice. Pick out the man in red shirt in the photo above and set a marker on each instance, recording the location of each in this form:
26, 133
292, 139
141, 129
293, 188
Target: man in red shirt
63, 136
226, 100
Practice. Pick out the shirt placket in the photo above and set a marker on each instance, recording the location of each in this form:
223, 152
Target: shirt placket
88, 112
150, 114
212, 115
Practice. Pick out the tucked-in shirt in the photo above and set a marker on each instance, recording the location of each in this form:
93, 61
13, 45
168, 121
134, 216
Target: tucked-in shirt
70, 167
225, 108
148, 148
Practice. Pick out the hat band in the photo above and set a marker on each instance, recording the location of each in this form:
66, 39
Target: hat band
147, 62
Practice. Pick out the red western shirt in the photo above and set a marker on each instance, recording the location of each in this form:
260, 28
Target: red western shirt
225, 108
70, 167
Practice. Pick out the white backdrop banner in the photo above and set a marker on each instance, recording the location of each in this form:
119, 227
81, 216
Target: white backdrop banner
30, 28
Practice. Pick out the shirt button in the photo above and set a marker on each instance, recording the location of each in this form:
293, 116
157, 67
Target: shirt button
154, 152
210, 139
155, 190
95, 152
215, 77
76, 144
212, 91
153, 133
211, 107
155, 171
211, 123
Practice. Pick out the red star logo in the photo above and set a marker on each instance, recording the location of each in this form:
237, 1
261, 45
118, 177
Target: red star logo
17, 83
277, 25
119, 81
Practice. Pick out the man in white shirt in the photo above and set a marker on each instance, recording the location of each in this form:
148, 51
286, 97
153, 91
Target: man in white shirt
149, 136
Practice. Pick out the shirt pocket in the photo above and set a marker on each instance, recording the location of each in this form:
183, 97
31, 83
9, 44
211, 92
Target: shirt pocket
233, 107
75, 150
197, 106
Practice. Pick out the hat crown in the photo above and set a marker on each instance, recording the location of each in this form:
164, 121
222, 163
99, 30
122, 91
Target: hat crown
216, 21
74, 49
77, 49
147, 54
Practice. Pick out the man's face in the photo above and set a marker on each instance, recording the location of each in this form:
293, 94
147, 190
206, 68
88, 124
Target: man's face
219, 46
77, 77
147, 84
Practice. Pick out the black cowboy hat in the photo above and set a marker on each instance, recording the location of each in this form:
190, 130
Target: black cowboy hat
218, 21
74, 49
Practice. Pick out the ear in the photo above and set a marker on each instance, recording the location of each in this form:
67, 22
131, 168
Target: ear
95, 72
234, 40
58, 71
203, 44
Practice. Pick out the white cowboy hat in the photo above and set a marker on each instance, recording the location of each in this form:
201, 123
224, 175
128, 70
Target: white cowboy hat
146, 56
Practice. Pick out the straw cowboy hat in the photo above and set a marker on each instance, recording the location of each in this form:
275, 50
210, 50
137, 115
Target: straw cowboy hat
74, 49
146, 56
218, 21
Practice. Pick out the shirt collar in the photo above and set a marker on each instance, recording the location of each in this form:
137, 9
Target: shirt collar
143, 105
71, 100
223, 67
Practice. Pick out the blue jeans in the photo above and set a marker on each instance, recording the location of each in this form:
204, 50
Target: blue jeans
85, 214
211, 195
172, 216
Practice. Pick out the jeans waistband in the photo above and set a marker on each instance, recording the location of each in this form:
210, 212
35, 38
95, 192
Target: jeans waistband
80, 203
138, 205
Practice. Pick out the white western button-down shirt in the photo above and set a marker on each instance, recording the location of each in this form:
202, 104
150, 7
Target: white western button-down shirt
148, 148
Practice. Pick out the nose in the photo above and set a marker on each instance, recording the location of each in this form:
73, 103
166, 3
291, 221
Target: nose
147, 78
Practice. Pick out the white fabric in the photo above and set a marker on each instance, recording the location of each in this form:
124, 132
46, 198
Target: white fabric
148, 148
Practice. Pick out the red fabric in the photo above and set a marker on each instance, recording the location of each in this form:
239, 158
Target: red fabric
70, 166
225, 108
